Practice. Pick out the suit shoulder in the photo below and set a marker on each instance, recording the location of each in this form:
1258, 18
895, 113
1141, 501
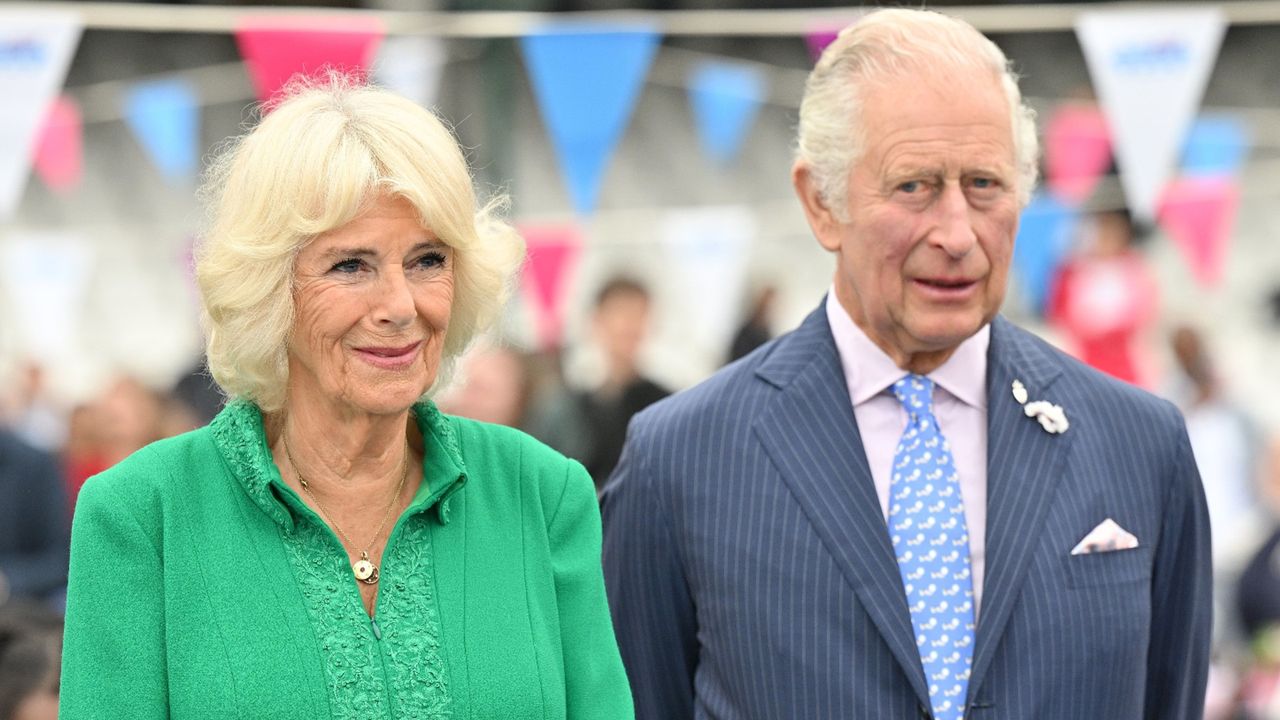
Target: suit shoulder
729, 395
1105, 393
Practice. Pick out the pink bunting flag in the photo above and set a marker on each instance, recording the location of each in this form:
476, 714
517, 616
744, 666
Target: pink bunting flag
1077, 151
818, 40
1200, 214
277, 48
59, 157
553, 253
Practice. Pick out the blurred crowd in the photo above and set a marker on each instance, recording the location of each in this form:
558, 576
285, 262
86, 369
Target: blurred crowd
1100, 304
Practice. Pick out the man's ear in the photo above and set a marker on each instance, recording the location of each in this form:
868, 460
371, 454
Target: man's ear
822, 221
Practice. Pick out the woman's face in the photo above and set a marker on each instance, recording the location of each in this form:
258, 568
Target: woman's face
372, 302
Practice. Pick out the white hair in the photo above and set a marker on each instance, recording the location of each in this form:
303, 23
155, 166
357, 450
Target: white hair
878, 46
327, 150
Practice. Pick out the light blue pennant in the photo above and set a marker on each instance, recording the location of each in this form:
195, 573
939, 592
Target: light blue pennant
726, 98
586, 78
1216, 145
1045, 235
165, 116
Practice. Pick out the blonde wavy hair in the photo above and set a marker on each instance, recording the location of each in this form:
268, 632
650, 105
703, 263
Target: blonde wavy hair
319, 157
875, 49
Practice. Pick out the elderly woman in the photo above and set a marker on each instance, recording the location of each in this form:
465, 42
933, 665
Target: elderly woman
331, 545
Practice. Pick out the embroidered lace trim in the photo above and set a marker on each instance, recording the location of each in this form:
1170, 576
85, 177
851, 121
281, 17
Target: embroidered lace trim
409, 672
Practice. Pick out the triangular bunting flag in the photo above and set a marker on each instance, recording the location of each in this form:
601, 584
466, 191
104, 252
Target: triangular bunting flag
165, 117
726, 98
710, 249
59, 157
411, 66
1150, 68
276, 48
553, 255
46, 279
1200, 214
1217, 145
1077, 151
35, 51
818, 40
587, 78
1045, 233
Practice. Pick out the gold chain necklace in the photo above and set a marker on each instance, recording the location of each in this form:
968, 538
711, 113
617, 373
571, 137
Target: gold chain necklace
364, 569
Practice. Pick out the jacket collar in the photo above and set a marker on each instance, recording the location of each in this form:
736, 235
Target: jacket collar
809, 431
1025, 465
241, 439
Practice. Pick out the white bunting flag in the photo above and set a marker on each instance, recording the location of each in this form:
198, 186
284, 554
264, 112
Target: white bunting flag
35, 51
45, 277
411, 66
1150, 68
710, 251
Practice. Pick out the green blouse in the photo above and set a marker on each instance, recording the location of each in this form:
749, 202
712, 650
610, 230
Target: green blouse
203, 587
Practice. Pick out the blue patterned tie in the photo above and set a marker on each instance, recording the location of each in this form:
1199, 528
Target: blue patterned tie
931, 540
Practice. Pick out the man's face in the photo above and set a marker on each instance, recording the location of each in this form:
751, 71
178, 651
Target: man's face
621, 323
923, 256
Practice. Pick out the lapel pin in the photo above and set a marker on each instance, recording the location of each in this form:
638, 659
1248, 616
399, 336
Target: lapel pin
1019, 392
1051, 417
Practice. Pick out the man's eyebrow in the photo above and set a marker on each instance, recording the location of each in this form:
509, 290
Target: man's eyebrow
911, 172
997, 169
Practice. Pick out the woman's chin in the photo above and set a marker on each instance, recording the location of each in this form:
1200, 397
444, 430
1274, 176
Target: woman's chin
389, 398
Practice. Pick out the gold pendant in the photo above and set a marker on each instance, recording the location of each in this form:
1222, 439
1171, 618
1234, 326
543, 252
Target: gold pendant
366, 572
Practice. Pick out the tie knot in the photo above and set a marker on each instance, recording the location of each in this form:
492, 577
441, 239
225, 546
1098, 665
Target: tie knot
915, 392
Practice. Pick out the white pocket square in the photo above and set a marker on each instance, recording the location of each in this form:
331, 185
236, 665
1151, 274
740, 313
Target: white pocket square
1107, 537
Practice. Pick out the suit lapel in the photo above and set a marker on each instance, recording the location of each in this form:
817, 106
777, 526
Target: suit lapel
1024, 466
812, 437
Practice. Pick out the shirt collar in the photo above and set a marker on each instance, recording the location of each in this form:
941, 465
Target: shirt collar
869, 370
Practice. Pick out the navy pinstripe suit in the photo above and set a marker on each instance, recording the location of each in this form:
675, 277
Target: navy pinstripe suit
750, 573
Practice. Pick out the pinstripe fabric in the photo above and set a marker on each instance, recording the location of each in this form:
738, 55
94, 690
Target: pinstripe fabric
751, 576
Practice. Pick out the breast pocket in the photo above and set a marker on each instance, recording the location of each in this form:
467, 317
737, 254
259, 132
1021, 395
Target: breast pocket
1116, 567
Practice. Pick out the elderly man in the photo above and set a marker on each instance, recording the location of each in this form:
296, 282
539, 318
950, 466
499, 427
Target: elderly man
908, 507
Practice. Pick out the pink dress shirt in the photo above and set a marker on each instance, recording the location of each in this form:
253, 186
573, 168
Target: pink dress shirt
959, 403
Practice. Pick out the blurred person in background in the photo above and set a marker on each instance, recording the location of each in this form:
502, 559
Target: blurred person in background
130, 414
757, 329
619, 327
1104, 299
554, 413
908, 506
121, 420
332, 546
492, 386
83, 455
499, 384
35, 416
1225, 443
1257, 605
30, 659
197, 391
33, 523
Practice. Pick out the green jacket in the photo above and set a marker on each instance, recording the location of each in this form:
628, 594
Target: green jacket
201, 586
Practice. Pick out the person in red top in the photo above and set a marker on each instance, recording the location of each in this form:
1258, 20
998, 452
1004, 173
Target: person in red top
1105, 298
